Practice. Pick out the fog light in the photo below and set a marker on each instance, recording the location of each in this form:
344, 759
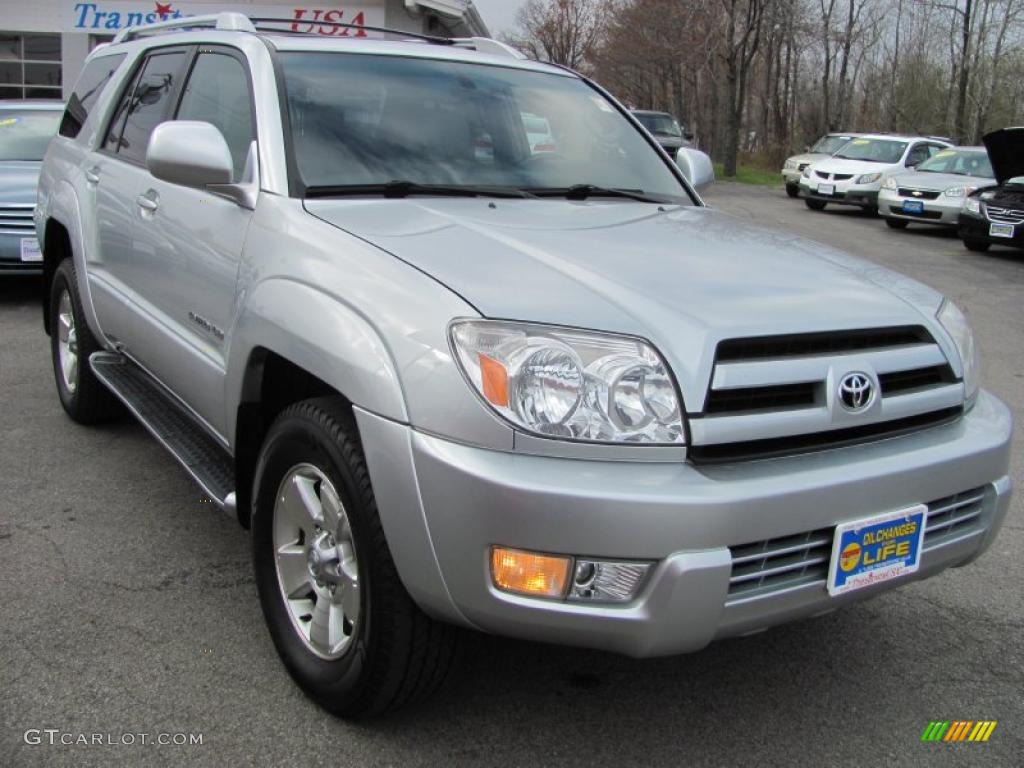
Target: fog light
595, 580
530, 573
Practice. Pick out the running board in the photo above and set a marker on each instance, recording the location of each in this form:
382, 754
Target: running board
201, 456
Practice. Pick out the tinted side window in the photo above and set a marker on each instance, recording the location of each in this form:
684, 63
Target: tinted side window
94, 78
217, 92
150, 103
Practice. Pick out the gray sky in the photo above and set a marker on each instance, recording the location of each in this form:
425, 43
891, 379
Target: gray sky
499, 15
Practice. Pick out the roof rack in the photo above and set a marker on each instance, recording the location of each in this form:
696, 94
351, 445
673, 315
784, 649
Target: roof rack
239, 22
226, 20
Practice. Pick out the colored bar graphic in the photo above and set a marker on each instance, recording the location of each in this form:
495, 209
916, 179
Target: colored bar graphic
958, 730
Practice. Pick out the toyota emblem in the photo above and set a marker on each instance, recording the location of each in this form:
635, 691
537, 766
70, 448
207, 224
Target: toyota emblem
856, 392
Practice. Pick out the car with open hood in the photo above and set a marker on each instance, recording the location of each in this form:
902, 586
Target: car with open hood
26, 128
854, 174
824, 147
544, 394
994, 215
934, 192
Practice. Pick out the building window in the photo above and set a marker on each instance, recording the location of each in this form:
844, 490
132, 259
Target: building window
29, 66
95, 40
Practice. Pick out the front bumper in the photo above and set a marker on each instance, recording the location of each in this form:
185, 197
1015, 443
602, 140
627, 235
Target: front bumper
971, 227
846, 192
942, 210
443, 505
10, 254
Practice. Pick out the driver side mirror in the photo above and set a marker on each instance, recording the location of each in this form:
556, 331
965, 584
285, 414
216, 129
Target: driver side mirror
192, 153
696, 167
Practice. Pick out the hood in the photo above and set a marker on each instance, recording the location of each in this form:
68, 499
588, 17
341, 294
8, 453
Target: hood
856, 167
670, 142
683, 277
939, 182
807, 157
1006, 153
18, 181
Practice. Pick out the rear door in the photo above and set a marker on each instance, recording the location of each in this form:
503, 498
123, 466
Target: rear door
115, 173
188, 242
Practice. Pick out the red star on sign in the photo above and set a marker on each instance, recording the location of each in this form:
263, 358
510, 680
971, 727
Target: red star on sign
164, 10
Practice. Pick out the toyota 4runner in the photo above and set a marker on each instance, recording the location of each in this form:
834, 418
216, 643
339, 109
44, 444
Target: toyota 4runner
450, 381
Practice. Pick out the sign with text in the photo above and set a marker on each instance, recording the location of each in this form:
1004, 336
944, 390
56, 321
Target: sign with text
107, 17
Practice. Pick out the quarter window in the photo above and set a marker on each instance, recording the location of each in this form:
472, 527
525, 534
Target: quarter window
217, 92
90, 85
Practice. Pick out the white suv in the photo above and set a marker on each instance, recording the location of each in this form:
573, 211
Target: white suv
854, 175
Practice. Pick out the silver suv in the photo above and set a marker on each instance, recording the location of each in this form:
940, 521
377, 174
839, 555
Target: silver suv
451, 381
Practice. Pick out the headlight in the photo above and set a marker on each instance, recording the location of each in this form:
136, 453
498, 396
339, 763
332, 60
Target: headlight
973, 205
959, 191
806, 172
790, 165
890, 183
955, 323
576, 385
869, 178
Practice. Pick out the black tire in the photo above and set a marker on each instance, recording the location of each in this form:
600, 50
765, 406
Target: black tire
793, 190
978, 246
86, 401
896, 223
397, 655
815, 205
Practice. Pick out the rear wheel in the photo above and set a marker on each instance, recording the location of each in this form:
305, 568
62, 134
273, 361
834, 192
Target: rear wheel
84, 398
340, 618
979, 246
896, 223
815, 205
793, 190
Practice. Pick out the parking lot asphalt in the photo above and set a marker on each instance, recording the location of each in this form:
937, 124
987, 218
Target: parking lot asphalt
127, 606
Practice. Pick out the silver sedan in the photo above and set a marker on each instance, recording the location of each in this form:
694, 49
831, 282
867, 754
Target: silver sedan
935, 192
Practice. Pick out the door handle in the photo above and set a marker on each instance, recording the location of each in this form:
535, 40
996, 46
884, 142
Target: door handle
92, 176
148, 201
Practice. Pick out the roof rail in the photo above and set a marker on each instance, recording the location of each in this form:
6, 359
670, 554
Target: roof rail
260, 22
488, 45
226, 20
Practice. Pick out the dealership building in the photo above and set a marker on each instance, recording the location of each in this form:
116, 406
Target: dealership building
43, 43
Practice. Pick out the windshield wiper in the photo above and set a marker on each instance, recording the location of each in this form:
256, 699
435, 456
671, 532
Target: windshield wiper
397, 189
583, 191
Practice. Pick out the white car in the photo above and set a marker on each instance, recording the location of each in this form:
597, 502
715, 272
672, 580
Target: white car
934, 193
854, 174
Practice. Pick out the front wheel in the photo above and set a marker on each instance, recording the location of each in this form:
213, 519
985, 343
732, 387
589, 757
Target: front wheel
896, 223
793, 190
815, 205
339, 616
978, 246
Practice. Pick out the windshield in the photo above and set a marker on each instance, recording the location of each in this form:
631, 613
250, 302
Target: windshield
873, 150
428, 122
24, 134
826, 145
663, 124
960, 162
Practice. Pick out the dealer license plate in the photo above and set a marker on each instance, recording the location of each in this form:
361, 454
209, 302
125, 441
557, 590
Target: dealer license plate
876, 549
1000, 230
30, 249
826, 189
913, 206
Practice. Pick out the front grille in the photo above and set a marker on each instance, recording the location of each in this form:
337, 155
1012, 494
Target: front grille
828, 343
822, 175
842, 176
920, 194
767, 567
17, 219
778, 395
1005, 215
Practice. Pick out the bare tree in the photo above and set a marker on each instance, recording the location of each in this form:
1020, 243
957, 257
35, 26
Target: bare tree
560, 31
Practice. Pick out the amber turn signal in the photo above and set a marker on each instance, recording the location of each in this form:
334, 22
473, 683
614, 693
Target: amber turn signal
530, 573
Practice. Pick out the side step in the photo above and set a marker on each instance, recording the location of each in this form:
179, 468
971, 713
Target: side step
201, 456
